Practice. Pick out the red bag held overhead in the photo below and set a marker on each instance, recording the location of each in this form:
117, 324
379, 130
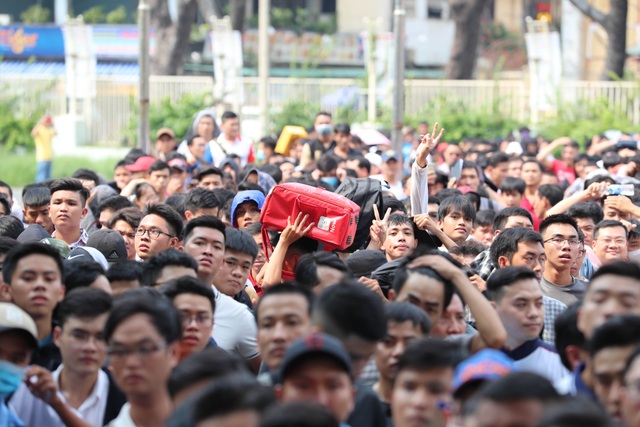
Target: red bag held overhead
335, 217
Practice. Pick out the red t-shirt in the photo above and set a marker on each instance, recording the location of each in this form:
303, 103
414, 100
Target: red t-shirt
563, 171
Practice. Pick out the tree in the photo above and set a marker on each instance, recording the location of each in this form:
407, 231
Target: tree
615, 24
466, 15
172, 39
36, 14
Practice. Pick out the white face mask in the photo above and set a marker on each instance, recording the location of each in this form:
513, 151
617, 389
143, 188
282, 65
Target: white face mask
635, 256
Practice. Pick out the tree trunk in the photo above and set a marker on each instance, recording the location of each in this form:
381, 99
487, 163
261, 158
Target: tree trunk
172, 39
237, 12
616, 27
467, 15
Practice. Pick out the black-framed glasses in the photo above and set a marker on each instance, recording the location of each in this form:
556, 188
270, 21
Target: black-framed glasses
153, 233
200, 319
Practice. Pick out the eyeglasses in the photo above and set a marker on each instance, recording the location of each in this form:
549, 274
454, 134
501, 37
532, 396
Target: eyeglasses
558, 241
83, 337
144, 351
619, 241
201, 320
153, 233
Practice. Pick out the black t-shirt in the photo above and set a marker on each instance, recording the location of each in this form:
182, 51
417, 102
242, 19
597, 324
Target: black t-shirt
47, 355
368, 410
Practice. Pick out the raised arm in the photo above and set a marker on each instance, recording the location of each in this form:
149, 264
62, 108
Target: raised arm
419, 185
594, 191
491, 332
545, 152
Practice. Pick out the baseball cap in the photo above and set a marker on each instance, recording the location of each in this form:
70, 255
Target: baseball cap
165, 131
61, 246
487, 364
141, 164
389, 155
110, 243
314, 344
464, 189
88, 253
33, 233
374, 159
178, 164
13, 318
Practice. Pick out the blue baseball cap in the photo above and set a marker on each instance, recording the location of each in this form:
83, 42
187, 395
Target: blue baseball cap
485, 365
389, 155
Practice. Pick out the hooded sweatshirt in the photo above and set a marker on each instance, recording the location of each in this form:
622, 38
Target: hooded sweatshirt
245, 196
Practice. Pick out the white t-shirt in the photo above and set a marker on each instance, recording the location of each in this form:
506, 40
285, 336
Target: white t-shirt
221, 148
234, 326
124, 418
35, 412
540, 358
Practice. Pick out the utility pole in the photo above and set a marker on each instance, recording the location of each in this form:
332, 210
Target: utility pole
398, 93
144, 22
263, 64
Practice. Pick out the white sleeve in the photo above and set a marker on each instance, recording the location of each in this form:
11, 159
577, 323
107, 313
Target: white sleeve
419, 189
247, 344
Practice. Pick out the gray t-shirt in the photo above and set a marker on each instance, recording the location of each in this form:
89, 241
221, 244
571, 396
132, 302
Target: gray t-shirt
567, 294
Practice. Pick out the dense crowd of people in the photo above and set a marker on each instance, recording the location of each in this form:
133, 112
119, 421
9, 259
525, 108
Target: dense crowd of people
496, 284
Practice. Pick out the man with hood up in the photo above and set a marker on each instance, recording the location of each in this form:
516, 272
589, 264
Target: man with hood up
245, 208
204, 124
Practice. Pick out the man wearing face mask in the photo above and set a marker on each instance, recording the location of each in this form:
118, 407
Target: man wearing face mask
18, 339
323, 126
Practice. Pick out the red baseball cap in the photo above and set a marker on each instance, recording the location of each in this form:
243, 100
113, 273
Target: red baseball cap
141, 164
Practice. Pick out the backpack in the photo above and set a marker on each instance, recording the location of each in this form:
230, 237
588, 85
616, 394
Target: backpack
364, 192
335, 217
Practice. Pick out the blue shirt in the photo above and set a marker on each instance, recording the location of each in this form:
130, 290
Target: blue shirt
8, 418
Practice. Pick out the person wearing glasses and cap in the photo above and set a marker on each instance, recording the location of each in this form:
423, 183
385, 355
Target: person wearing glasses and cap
159, 229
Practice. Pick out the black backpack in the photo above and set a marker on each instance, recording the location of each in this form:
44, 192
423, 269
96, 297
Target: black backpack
365, 192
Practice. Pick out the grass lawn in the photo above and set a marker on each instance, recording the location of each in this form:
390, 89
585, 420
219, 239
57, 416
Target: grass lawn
19, 169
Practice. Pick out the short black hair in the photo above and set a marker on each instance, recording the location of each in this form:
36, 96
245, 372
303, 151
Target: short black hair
241, 241
586, 210
485, 217
394, 204
228, 115
506, 243
456, 204
403, 273
27, 249
84, 303
507, 276
8, 187
501, 218
552, 192
470, 247
10, 226
349, 308
306, 270
510, 183
497, 158
125, 270
572, 411
6, 244
517, 386
140, 187
169, 214
618, 331
427, 354
81, 273
5, 204
326, 163
86, 174
532, 160
557, 219
201, 198
209, 171
70, 184
269, 141
342, 128
607, 223
567, 333
206, 221
255, 228
616, 268
158, 165
189, 285
286, 289
38, 195
190, 140
446, 193
401, 312
231, 394
208, 364
177, 202
298, 414
131, 216
152, 269
162, 314
115, 203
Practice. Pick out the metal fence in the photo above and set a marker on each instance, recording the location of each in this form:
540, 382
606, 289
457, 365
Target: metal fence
111, 111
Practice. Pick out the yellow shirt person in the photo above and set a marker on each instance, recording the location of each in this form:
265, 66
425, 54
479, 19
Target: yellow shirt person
43, 133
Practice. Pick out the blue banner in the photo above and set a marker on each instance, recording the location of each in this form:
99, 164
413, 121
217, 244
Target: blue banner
18, 41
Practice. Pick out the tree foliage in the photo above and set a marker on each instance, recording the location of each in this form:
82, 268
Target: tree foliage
36, 14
